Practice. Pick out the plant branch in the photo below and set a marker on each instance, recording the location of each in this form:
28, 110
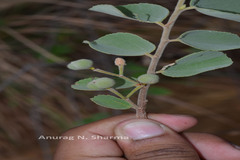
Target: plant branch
112, 90
174, 40
116, 93
189, 8
149, 55
134, 90
113, 74
142, 97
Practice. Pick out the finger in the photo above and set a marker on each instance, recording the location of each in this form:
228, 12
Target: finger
211, 147
90, 143
151, 140
85, 146
178, 123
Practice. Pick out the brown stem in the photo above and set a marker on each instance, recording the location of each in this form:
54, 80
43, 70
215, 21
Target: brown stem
142, 97
141, 113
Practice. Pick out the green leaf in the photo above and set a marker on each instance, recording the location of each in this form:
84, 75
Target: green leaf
122, 44
111, 102
225, 9
144, 12
197, 63
120, 84
82, 84
123, 84
154, 90
211, 40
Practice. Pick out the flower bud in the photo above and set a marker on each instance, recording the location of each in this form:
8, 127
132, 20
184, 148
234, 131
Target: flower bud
80, 64
148, 78
103, 83
119, 62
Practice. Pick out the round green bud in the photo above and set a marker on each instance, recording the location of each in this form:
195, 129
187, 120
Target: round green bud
104, 83
101, 83
80, 64
148, 78
92, 85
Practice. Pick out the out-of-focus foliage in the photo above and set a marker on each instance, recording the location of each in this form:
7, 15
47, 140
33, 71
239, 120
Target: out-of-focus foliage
35, 93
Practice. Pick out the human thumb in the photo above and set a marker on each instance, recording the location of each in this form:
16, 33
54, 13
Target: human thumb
150, 140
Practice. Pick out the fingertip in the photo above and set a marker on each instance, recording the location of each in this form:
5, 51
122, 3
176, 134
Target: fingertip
149, 139
137, 129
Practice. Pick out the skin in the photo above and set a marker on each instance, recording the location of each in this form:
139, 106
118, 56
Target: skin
175, 144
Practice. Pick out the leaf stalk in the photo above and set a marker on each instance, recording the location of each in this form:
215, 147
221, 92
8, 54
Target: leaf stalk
112, 90
116, 93
134, 91
113, 74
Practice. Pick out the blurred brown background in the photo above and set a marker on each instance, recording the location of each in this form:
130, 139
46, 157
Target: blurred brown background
39, 37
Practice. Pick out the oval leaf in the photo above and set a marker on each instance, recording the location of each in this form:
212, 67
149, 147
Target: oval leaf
144, 12
82, 84
211, 40
197, 63
123, 84
225, 9
122, 44
111, 102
